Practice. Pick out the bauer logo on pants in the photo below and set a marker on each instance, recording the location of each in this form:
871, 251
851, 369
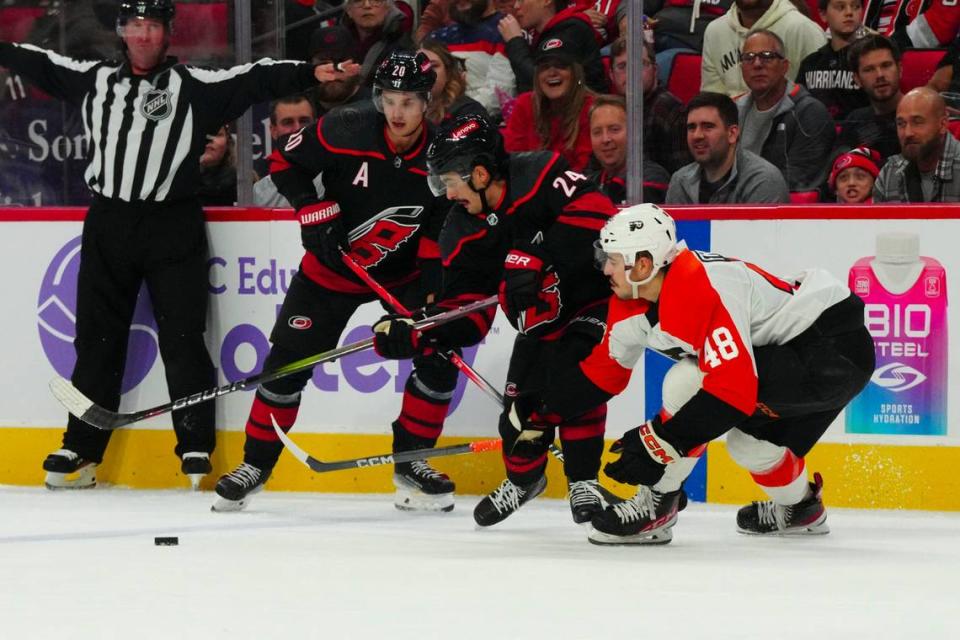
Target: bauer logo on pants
56, 320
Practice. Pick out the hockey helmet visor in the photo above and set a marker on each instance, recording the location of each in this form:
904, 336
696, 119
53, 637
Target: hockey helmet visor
460, 145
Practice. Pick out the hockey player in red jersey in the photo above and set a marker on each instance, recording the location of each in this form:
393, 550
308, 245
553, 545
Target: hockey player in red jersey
523, 224
379, 209
769, 362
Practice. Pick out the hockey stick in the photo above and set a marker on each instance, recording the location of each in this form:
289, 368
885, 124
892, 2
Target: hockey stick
389, 458
91, 413
451, 355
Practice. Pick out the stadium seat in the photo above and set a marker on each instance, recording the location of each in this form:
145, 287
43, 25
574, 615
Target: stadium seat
918, 66
684, 79
804, 197
16, 22
200, 31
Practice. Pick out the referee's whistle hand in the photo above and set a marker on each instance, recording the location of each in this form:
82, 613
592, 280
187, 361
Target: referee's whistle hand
336, 70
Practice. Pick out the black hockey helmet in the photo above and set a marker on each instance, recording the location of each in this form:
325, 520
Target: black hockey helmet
462, 144
407, 71
162, 10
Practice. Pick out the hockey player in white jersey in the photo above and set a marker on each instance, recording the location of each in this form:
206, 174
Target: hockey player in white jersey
768, 361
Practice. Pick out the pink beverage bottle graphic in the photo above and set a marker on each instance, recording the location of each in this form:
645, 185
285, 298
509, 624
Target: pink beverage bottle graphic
906, 312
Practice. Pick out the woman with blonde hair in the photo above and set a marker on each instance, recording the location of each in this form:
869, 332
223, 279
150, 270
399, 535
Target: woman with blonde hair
556, 115
448, 98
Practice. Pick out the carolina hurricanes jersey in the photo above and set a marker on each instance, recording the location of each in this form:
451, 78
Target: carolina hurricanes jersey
545, 204
917, 23
715, 309
391, 217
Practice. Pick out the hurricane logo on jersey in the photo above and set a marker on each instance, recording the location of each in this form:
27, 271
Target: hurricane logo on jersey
897, 377
56, 320
383, 234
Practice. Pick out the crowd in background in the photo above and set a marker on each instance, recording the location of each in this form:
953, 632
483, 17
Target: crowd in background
796, 100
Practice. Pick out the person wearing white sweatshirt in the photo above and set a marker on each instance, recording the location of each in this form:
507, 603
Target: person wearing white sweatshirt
724, 37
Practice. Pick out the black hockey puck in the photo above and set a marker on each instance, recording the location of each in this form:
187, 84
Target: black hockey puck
170, 541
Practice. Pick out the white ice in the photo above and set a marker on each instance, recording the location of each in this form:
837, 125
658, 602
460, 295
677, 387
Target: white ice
84, 565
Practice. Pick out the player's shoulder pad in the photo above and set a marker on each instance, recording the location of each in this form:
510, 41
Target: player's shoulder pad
353, 127
529, 169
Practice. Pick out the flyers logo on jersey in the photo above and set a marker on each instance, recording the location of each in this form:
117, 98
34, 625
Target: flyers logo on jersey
383, 234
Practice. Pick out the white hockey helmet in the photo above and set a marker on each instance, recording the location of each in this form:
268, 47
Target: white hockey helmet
637, 229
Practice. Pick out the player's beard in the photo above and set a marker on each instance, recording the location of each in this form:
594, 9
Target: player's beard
470, 16
337, 91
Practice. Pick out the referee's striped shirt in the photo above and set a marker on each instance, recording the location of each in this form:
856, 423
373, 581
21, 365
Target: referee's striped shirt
145, 134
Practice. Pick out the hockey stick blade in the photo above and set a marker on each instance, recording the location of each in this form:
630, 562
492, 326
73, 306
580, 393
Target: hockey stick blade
375, 461
93, 414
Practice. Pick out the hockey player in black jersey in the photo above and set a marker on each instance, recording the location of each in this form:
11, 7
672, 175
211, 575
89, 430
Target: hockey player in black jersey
378, 209
522, 225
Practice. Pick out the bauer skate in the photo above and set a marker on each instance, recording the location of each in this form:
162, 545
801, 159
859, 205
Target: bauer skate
505, 500
807, 517
236, 488
646, 518
420, 487
67, 470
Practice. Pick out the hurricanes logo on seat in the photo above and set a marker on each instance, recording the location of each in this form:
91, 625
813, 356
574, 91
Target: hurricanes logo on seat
384, 233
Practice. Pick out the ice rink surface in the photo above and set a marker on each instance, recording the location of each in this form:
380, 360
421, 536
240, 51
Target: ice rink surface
84, 565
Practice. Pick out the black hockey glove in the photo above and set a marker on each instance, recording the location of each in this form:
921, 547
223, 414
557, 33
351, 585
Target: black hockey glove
395, 338
644, 455
522, 284
322, 232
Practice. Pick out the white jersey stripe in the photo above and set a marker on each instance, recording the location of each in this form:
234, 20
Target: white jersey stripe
81, 66
219, 75
182, 150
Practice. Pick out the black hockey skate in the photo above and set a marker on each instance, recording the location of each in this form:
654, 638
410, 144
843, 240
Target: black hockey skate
195, 465
807, 517
646, 518
67, 470
586, 500
420, 487
236, 488
506, 499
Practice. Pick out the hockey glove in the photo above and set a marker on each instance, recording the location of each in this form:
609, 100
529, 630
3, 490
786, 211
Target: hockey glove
644, 455
322, 232
395, 338
524, 269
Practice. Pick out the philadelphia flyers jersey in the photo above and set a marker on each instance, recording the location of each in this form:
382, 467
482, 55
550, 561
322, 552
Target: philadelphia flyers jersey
717, 310
545, 204
391, 217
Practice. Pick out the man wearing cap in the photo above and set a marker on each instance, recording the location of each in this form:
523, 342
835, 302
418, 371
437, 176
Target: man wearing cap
336, 44
853, 175
927, 169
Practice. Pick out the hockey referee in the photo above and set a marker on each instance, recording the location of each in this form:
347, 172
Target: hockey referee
146, 119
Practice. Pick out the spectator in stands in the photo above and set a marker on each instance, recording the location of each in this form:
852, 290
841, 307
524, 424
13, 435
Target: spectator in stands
448, 98
723, 41
921, 24
721, 172
608, 137
853, 175
473, 37
287, 115
928, 168
947, 75
618, 67
875, 61
826, 73
218, 170
779, 120
378, 26
549, 20
678, 26
664, 120
336, 44
555, 115
436, 14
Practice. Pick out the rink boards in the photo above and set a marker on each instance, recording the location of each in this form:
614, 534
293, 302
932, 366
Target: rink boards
348, 406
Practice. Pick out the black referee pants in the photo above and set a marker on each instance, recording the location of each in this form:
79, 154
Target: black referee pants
125, 245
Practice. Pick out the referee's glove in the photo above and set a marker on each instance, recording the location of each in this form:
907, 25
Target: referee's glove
322, 232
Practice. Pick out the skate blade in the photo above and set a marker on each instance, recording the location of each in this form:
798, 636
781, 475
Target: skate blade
408, 500
819, 528
195, 479
225, 505
655, 537
83, 478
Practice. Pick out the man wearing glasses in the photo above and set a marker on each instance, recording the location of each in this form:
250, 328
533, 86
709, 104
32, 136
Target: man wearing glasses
779, 120
379, 27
